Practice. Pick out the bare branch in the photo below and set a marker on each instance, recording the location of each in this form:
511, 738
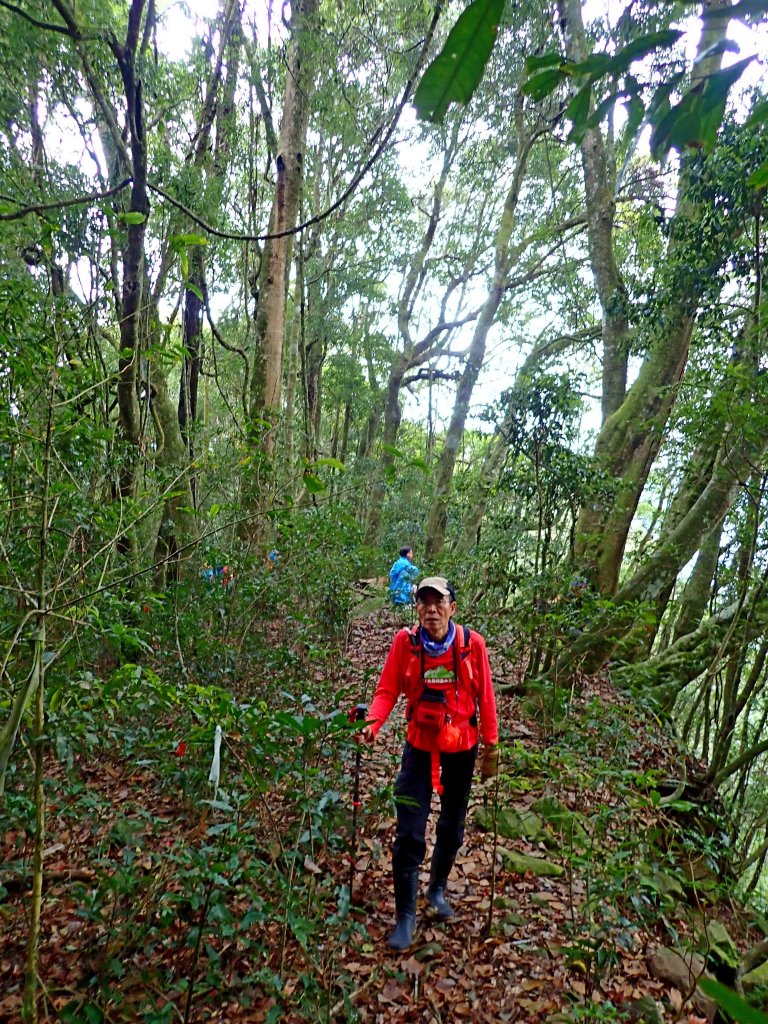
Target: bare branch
59, 204
380, 148
47, 26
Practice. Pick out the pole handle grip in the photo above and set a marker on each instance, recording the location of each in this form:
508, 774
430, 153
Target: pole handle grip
361, 710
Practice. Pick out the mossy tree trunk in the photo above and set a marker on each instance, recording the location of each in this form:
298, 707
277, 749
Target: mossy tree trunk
634, 422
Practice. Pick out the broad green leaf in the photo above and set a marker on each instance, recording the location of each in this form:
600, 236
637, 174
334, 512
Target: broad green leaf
721, 46
635, 114
214, 510
728, 1000
219, 805
681, 805
577, 113
758, 116
602, 109
546, 60
715, 94
759, 178
194, 288
694, 121
313, 484
134, 217
421, 464
187, 239
55, 699
660, 100
595, 65
543, 84
391, 450
333, 463
641, 47
455, 73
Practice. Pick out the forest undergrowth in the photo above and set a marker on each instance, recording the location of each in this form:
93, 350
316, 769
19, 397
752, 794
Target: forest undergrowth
167, 899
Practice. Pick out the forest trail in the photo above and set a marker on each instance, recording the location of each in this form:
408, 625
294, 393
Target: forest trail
521, 947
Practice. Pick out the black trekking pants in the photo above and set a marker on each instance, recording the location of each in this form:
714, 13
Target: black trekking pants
413, 796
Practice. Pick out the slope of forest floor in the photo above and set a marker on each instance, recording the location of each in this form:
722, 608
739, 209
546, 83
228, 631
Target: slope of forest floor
125, 933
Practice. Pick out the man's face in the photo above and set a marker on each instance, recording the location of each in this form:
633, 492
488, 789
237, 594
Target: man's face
434, 611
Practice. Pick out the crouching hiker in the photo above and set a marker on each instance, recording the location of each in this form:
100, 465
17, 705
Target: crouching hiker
442, 670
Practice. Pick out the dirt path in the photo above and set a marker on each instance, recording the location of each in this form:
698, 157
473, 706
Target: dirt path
117, 829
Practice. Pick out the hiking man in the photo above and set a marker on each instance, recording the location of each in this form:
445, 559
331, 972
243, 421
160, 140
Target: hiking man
401, 579
443, 671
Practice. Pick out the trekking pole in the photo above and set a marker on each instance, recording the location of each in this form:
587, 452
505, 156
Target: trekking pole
360, 714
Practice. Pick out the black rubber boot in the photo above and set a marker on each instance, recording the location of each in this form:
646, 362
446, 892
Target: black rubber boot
438, 879
406, 891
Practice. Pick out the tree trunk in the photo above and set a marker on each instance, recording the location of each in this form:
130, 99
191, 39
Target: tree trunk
292, 376
270, 316
632, 432
599, 185
192, 360
698, 589
666, 674
392, 416
178, 531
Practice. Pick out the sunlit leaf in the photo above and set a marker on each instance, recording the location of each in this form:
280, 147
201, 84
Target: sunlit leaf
134, 217
187, 239
333, 463
313, 484
759, 178
455, 73
546, 60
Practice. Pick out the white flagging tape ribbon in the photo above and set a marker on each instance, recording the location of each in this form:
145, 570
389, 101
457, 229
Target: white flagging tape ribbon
215, 773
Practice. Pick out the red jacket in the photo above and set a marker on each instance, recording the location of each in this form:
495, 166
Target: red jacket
402, 674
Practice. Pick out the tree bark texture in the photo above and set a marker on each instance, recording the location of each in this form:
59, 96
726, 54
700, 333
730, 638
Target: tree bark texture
270, 316
599, 186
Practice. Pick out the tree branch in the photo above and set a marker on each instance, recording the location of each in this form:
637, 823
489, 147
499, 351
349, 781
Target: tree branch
238, 237
429, 374
47, 26
61, 203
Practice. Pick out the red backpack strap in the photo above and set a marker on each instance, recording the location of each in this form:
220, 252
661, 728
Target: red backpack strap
464, 646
